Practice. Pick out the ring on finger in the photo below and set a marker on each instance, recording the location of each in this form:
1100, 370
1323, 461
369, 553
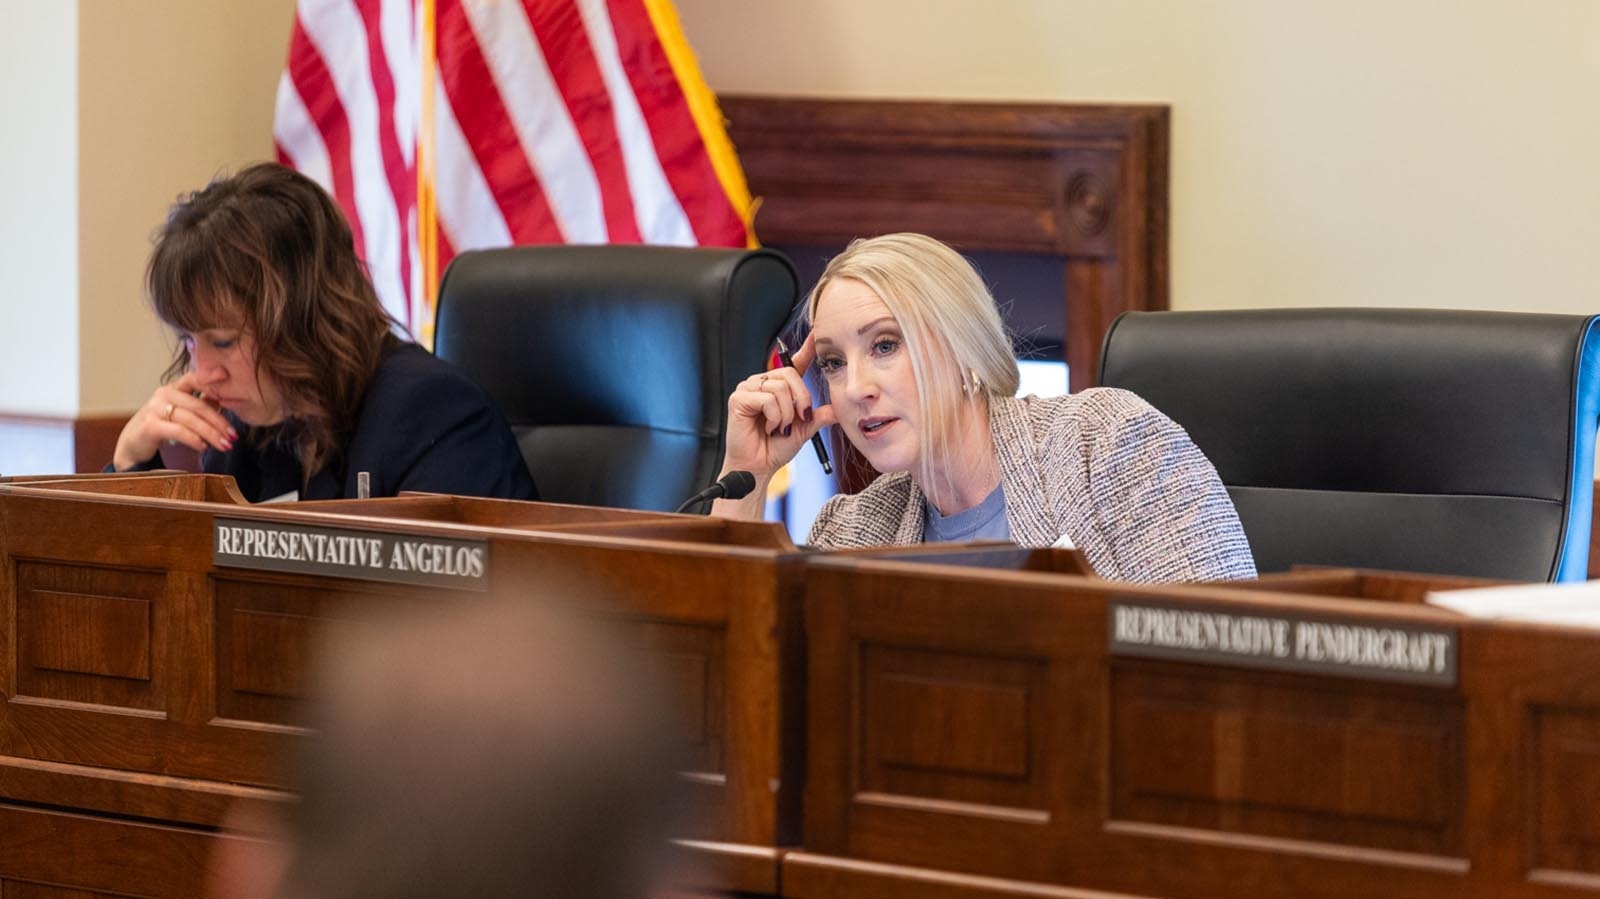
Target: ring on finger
762, 382
167, 412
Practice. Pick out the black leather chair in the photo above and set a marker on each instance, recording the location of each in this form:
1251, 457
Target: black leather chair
613, 364
1439, 441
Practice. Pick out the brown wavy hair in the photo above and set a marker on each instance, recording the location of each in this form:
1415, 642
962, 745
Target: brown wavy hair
268, 251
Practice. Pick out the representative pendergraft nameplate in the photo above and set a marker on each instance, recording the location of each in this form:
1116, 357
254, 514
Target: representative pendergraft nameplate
1311, 644
365, 555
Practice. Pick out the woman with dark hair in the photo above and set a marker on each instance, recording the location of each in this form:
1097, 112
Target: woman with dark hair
289, 374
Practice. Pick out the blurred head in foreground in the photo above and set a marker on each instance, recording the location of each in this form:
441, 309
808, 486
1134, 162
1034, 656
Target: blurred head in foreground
501, 751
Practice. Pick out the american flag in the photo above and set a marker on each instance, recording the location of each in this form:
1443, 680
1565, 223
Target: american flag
448, 125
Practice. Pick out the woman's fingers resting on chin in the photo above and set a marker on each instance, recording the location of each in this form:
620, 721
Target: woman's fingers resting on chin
174, 415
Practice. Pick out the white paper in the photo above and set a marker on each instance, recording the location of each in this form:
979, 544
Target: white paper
1576, 604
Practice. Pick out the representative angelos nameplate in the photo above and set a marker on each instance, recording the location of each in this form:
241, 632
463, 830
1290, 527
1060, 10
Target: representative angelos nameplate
420, 559
1314, 644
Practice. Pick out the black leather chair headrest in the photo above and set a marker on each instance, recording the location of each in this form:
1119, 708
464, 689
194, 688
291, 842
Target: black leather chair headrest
613, 364
1404, 402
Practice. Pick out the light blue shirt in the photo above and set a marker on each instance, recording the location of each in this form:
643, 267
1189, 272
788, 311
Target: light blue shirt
985, 521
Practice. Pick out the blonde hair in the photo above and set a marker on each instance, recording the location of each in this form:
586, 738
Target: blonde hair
953, 332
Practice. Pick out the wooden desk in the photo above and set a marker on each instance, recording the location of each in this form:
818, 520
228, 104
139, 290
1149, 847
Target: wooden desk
971, 731
977, 733
147, 687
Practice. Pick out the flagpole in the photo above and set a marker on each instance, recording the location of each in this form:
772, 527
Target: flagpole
427, 205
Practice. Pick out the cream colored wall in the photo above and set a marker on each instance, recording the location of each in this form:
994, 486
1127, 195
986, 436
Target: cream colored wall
1392, 152
171, 93
1373, 152
38, 218
113, 109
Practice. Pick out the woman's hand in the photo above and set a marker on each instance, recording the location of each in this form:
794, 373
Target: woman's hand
172, 414
770, 417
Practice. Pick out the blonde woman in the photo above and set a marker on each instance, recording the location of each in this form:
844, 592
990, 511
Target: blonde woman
919, 374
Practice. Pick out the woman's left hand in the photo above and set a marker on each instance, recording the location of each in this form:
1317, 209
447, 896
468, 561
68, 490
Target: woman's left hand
172, 414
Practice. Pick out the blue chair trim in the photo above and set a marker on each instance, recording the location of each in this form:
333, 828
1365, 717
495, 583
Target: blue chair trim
1573, 562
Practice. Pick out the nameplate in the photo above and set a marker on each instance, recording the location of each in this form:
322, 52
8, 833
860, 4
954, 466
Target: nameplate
417, 559
1342, 647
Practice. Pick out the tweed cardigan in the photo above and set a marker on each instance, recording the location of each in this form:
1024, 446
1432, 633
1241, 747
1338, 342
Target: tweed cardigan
1102, 467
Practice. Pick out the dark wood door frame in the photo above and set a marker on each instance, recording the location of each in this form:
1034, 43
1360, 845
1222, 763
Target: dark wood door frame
1087, 183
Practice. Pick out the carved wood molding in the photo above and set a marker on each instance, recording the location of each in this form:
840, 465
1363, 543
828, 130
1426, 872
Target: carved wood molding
1084, 182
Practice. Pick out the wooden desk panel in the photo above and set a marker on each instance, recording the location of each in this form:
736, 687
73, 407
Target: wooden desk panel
56, 855
975, 723
970, 733
1535, 720
145, 683
1204, 749
210, 488
703, 869
810, 876
1359, 583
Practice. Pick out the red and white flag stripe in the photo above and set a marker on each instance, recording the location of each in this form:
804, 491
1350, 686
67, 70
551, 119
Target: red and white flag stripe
553, 121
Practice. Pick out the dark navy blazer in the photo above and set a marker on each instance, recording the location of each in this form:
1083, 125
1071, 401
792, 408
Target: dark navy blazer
423, 425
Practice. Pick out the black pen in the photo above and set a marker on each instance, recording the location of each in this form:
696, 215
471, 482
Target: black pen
816, 439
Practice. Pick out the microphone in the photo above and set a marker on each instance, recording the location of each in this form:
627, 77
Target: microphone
734, 485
